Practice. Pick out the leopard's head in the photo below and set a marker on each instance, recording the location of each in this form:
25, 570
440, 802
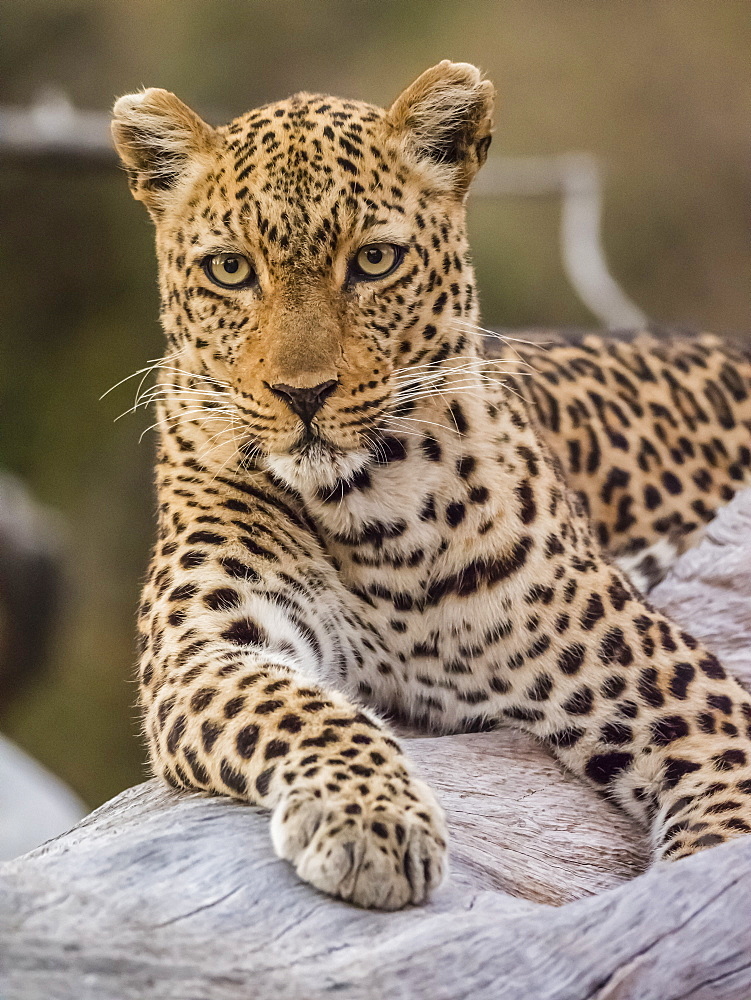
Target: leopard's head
313, 259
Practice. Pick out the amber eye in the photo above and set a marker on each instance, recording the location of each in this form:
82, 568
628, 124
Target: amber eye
230, 270
376, 260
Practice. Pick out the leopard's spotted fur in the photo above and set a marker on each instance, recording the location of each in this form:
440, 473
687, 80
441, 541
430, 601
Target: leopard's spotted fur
653, 431
416, 549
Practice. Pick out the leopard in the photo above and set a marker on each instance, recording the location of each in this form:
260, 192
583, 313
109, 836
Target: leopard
362, 516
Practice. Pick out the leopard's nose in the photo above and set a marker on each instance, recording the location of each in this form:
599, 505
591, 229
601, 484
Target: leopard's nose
306, 401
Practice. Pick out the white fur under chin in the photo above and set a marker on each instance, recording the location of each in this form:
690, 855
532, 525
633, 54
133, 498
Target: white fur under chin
316, 467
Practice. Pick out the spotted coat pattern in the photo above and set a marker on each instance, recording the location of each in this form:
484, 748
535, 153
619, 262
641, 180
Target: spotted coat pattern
653, 431
411, 549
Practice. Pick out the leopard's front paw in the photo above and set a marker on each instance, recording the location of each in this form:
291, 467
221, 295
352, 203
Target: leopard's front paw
381, 851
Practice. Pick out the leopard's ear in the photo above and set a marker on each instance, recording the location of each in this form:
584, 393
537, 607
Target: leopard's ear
445, 116
157, 136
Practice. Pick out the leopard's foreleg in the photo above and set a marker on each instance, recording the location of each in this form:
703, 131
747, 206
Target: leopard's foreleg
238, 697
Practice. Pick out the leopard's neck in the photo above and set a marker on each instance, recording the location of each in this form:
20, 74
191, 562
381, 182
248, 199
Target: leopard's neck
465, 482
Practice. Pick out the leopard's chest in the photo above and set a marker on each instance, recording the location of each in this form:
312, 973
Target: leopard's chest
445, 624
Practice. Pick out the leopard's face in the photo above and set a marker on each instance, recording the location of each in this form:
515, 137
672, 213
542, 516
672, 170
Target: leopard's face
313, 263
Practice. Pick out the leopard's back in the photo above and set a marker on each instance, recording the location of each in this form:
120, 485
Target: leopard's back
652, 429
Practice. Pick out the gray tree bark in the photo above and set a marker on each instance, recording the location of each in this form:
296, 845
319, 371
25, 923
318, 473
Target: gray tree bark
164, 895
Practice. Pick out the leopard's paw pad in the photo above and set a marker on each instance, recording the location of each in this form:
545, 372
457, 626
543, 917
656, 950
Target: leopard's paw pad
380, 853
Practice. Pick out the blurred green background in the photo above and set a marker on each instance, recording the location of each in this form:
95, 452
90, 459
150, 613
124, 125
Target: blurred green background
660, 91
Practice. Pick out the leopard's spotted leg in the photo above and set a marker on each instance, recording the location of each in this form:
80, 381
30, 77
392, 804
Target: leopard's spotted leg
236, 700
346, 811
656, 723
705, 786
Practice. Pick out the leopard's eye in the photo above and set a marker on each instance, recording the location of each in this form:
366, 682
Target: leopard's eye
376, 260
230, 270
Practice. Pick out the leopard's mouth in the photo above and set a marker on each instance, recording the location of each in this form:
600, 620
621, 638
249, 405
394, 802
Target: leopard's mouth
314, 463
311, 443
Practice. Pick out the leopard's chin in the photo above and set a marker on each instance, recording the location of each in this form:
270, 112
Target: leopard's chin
315, 465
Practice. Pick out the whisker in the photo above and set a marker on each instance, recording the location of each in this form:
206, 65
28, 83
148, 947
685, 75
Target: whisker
406, 433
147, 401
418, 420
475, 327
150, 365
416, 394
224, 464
414, 374
183, 419
504, 338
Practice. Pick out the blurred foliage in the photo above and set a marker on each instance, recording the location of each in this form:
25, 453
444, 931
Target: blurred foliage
658, 89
